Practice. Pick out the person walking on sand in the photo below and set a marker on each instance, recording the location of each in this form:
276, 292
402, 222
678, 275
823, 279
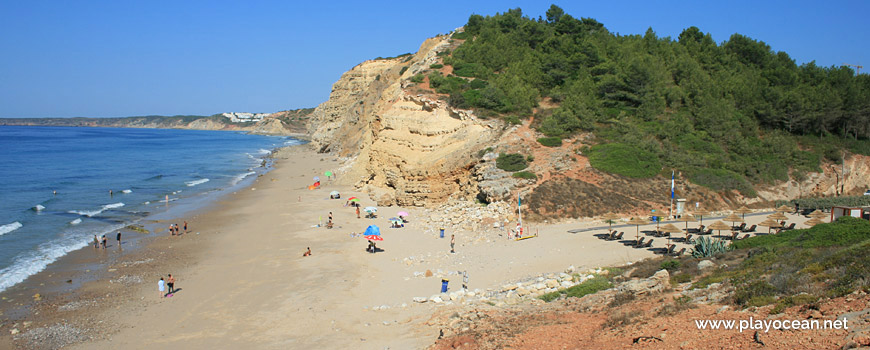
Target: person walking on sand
452, 243
170, 283
161, 287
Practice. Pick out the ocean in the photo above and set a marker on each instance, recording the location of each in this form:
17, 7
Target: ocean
140, 166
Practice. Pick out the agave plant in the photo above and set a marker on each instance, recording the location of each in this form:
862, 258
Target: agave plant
707, 247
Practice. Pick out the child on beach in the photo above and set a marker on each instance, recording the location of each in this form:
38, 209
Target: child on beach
161, 287
185, 227
96, 242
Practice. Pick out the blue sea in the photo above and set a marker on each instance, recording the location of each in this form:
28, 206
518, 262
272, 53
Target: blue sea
140, 166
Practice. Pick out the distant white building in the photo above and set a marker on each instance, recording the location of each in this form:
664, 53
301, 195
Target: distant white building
245, 117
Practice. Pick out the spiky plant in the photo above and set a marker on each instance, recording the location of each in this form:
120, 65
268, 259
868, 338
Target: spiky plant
707, 247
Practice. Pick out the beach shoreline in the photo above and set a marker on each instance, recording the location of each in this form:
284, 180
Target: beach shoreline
83, 274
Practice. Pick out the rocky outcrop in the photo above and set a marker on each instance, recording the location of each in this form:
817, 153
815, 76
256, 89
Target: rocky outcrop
411, 148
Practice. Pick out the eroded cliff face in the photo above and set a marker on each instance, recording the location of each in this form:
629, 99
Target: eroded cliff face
410, 147
404, 145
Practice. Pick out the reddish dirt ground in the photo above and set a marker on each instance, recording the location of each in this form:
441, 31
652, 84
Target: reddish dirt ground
558, 326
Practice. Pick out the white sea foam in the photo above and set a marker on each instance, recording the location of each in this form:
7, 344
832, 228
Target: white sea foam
92, 213
10, 227
196, 182
76, 221
39, 207
33, 261
113, 206
88, 213
127, 191
241, 177
264, 151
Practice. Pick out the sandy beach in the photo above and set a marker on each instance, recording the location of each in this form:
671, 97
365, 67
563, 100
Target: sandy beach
243, 281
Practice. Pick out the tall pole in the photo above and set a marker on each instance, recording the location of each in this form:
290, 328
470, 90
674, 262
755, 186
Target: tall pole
671, 211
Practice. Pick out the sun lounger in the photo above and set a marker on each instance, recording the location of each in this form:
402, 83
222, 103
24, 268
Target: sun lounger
742, 226
639, 242
670, 249
744, 237
683, 250
750, 229
619, 236
790, 227
689, 239
648, 244
734, 235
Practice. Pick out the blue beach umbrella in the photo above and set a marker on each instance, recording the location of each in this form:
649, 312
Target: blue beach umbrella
373, 231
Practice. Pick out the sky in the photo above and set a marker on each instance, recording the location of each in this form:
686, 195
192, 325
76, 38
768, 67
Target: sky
124, 58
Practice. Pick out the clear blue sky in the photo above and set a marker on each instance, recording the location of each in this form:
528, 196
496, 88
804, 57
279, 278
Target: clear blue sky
122, 58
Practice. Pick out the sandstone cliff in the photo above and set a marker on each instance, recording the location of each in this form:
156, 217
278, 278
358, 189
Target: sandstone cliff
410, 148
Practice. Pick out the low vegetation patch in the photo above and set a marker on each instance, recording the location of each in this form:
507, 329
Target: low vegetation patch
590, 286
511, 162
625, 160
799, 266
525, 175
551, 141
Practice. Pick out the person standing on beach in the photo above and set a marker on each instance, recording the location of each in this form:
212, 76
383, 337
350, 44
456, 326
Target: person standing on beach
357, 212
105, 242
161, 287
96, 242
171, 284
330, 217
452, 243
119, 239
171, 230
185, 227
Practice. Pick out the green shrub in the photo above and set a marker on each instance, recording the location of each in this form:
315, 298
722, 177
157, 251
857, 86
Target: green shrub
551, 141
403, 70
756, 293
436, 66
525, 175
512, 120
484, 151
625, 160
590, 286
511, 162
418, 78
460, 36
670, 265
478, 84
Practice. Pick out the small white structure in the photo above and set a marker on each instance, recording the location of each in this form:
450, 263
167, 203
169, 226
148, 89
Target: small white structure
236, 117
